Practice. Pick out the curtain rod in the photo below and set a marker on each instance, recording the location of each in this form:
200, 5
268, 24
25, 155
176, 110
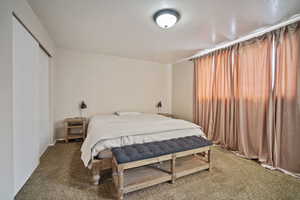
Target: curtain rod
292, 20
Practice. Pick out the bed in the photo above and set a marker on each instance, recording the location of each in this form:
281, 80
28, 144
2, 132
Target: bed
109, 131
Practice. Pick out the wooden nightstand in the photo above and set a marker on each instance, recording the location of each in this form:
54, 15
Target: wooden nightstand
166, 115
75, 128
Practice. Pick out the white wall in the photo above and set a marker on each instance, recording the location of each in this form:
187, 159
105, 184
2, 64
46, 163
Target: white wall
182, 90
51, 101
6, 132
43, 102
6, 84
23, 10
107, 84
25, 105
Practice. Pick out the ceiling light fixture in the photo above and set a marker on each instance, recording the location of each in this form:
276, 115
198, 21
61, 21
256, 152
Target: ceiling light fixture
166, 18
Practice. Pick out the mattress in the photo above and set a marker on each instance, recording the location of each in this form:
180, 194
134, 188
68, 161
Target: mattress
109, 131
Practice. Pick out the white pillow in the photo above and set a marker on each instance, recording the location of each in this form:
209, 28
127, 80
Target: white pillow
127, 113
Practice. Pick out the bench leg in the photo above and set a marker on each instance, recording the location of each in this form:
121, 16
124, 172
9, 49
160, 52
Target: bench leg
118, 179
120, 186
115, 177
173, 165
209, 159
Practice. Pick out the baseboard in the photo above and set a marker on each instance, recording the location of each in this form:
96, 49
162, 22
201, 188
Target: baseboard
55, 141
52, 144
59, 140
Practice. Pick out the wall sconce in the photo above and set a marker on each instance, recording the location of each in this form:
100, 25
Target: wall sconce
82, 106
158, 106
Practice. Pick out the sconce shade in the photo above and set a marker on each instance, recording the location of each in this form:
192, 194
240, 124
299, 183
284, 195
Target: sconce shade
83, 105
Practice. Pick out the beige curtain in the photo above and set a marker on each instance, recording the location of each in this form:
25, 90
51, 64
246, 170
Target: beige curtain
244, 106
286, 149
230, 99
222, 129
203, 79
253, 87
213, 97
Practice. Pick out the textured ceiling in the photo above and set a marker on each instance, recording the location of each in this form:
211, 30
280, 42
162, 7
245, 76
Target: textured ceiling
125, 27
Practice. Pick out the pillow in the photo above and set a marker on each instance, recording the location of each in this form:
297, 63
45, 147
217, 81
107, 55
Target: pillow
127, 113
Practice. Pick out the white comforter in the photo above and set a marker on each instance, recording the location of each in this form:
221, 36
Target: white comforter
107, 131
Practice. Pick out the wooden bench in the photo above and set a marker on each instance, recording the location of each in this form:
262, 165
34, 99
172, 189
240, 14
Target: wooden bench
139, 174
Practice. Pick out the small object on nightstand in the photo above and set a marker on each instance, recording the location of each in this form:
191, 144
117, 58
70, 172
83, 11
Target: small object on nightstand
75, 128
166, 115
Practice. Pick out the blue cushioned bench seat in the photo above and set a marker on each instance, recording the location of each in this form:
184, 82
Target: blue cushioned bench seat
139, 166
136, 152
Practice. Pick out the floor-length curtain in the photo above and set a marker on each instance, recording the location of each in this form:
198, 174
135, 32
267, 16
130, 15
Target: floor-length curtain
247, 98
222, 128
253, 87
203, 80
286, 149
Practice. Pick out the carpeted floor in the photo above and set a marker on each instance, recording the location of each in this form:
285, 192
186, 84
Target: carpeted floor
61, 175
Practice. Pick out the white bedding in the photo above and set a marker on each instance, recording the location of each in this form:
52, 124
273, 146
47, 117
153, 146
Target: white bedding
107, 131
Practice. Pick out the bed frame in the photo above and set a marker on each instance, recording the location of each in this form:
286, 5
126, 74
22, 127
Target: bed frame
99, 165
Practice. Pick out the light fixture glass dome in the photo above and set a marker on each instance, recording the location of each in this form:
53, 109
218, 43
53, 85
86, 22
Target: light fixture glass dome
166, 18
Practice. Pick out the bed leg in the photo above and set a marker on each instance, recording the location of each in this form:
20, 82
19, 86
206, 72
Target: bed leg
96, 173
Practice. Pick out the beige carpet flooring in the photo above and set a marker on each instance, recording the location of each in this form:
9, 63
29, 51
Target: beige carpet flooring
61, 175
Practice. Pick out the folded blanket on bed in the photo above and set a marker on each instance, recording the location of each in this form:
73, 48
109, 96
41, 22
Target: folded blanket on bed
110, 127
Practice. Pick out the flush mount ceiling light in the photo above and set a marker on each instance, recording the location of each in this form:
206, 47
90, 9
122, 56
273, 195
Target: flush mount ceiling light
166, 18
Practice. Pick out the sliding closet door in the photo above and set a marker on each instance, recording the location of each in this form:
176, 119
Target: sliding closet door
26, 140
43, 101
